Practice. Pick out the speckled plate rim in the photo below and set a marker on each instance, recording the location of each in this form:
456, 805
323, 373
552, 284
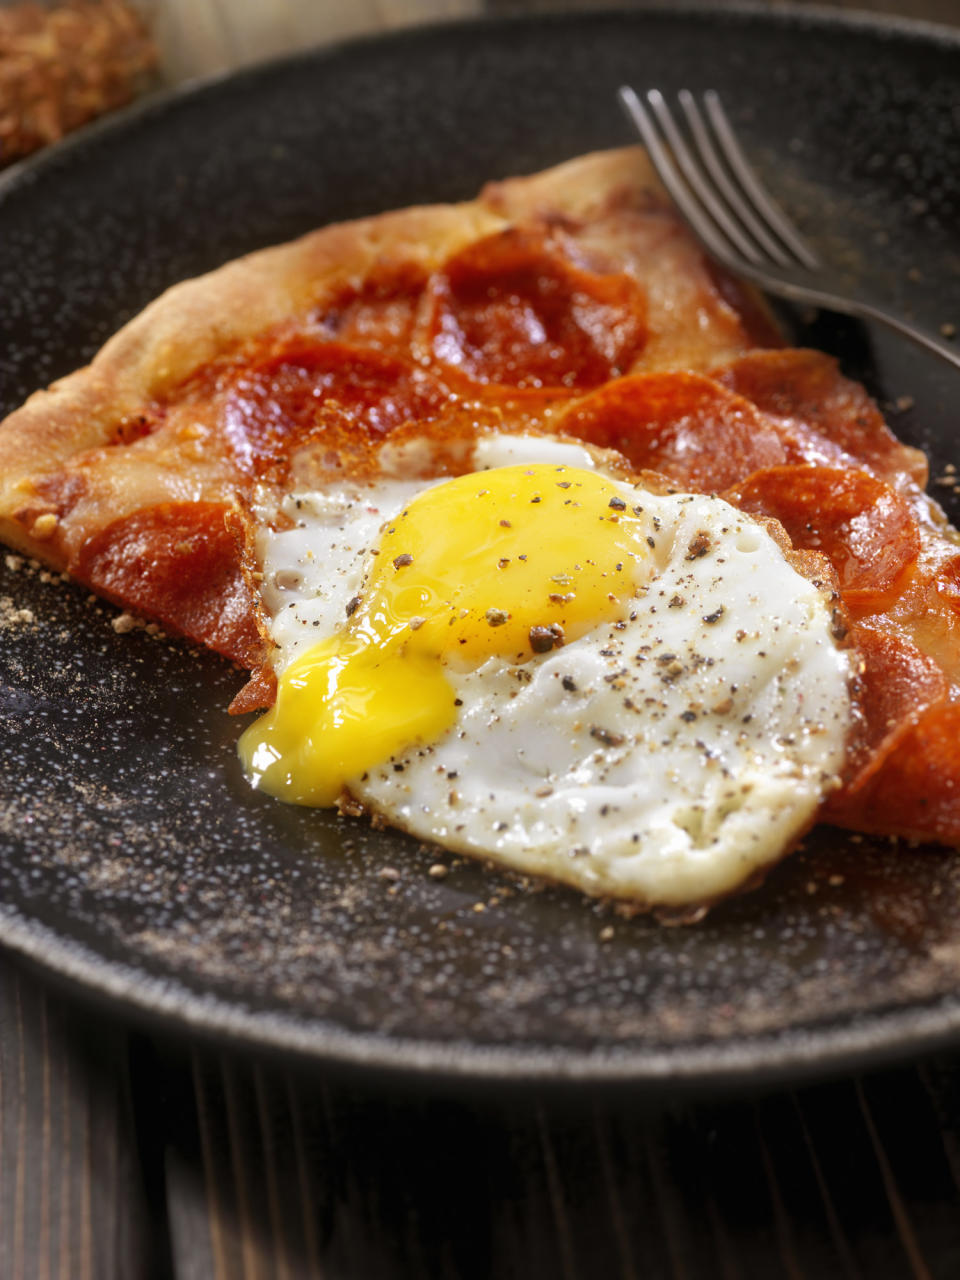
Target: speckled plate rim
784, 15
163, 1004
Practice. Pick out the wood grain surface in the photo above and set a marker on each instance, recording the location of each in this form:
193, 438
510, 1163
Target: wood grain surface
125, 1156
72, 1203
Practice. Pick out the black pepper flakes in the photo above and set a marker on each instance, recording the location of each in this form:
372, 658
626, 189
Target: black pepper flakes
401, 561
715, 616
606, 736
543, 639
670, 671
699, 545
617, 504
615, 678
352, 606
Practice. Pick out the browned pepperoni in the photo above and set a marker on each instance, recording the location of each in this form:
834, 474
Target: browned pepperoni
178, 563
866, 529
682, 424
823, 416
513, 309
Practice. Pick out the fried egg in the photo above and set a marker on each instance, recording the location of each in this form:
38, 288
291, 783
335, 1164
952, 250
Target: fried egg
542, 664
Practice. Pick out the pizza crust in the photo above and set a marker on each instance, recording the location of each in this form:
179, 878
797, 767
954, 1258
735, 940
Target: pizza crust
610, 202
190, 325
123, 475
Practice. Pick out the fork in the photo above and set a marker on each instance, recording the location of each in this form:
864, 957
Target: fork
734, 217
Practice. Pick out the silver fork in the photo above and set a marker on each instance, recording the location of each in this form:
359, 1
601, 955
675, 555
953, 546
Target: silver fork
734, 218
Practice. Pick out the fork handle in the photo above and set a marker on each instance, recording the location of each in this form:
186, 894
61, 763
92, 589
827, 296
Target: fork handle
947, 352
852, 307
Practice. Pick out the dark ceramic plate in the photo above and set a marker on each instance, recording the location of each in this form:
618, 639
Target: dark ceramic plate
136, 862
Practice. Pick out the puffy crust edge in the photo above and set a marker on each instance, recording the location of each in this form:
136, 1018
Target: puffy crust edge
196, 321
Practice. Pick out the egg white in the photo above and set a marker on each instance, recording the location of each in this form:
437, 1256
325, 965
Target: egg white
665, 759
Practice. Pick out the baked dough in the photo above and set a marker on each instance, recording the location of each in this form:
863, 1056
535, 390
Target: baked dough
571, 301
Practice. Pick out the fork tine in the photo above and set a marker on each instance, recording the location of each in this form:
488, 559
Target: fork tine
694, 177
738, 162
682, 197
769, 274
712, 163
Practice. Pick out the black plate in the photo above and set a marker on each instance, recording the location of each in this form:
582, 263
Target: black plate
135, 860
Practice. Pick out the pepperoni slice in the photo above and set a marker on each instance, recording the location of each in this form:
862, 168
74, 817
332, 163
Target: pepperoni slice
864, 527
823, 416
259, 692
947, 585
897, 683
913, 791
381, 312
178, 563
310, 389
681, 424
908, 760
513, 309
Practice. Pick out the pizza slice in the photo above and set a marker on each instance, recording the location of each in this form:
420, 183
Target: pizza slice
121, 474
571, 306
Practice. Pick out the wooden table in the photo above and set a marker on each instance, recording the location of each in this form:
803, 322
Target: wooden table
125, 1156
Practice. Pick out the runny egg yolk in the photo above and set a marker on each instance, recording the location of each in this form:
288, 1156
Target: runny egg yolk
503, 563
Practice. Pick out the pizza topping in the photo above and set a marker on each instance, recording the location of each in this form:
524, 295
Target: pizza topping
910, 788
866, 529
685, 425
897, 684
514, 309
521, 331
259, 692
335, 393
947, 586
44, 526
822, 416
177, 562
915, 794
381, 312
908, 758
